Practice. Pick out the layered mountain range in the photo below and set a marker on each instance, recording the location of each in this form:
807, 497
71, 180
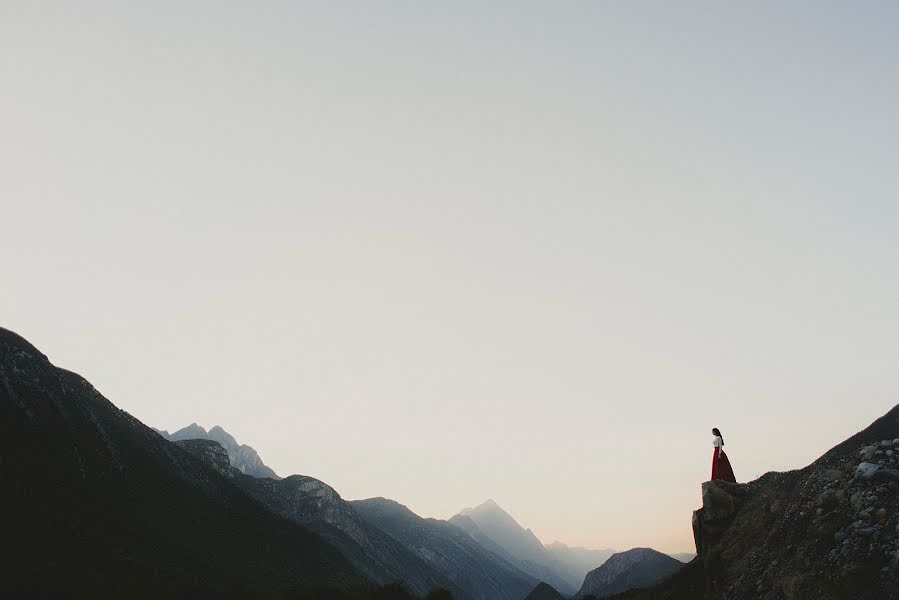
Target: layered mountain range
100, 504
242, 457
95, 503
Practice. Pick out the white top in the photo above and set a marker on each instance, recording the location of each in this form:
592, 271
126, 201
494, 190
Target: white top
717, 442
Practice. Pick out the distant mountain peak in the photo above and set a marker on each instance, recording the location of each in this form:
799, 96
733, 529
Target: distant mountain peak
502, 531
242, 456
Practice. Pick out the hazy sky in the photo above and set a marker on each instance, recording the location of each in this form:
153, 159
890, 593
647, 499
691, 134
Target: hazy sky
449, 252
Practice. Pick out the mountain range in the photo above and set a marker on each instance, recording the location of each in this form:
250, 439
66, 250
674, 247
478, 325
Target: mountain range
558, 565
95, 503
242, 457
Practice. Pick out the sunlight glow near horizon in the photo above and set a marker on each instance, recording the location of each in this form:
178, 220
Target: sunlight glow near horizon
523, 251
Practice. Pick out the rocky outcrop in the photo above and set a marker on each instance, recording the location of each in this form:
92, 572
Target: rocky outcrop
826, 532
211, 453
635, 568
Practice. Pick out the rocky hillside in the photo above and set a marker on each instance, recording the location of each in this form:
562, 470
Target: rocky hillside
482, 574
242, 457
319, 507
828, 531
634, 568
95, 504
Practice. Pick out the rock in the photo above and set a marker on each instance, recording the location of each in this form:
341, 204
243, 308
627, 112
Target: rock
717, 504
880, 514
866, 470
856, 500
886, 443
868, 452
866, 531
834, 474
839, 536
890, 474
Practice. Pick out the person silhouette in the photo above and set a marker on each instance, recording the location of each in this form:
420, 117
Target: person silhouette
721, 468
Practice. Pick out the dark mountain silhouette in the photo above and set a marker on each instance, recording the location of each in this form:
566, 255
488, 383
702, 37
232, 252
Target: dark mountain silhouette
634, 568
825, 532
544, 591
242, 457
96, 504
493, 527
319, 507
482, 574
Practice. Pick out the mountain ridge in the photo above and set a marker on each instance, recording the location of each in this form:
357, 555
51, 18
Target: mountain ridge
242, 456
119, 511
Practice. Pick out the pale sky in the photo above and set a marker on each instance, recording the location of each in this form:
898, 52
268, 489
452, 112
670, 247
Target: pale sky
448, 252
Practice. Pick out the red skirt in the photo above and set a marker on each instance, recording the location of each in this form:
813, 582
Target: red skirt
721, 468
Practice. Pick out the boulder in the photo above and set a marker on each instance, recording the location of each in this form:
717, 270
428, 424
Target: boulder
866, 470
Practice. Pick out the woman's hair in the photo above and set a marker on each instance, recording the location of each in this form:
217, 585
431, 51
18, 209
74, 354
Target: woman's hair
718, 433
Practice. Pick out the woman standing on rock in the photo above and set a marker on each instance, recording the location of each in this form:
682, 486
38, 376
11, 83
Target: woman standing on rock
721, 468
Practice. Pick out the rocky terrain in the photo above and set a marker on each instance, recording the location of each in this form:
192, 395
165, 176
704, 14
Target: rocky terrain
634, 568
827, 531
242, 457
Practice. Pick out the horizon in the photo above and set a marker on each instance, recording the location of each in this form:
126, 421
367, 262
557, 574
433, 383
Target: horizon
440, 254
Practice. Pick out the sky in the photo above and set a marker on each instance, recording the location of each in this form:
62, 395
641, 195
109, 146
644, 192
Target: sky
446, 252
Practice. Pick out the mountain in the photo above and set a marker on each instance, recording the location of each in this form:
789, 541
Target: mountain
503, 529
493, 527
94, 503
638, 567
482, 574
319, 507
242, 457
827, 531
576, 562
544, 591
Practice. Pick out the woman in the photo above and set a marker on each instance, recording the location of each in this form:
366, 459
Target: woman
721, 468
